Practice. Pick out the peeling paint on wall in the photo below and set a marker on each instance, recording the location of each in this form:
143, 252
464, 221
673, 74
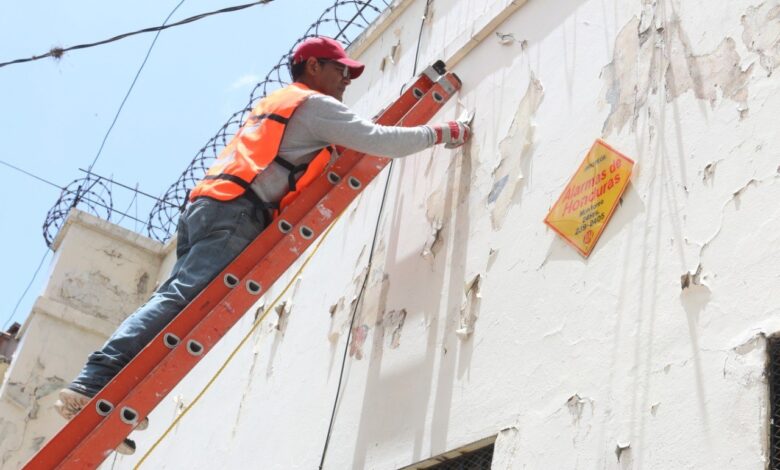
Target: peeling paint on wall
515, 150
26, 395
371, 311
649, 48
761, 34
283, 313
506, 449
691, 279
37, 442
695, 293
469, 309
744, 363
359, 335
435, 214
623, 453
92, 291
393, 322
8, 430
576, 406
334, 332
708, 73
392, 57
142, 286
708, 173
491, 259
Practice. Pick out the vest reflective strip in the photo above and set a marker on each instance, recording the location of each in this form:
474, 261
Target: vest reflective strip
227, 177
292, 170
271, 116
314, 169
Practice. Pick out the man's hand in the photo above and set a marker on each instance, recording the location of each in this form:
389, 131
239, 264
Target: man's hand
452, 134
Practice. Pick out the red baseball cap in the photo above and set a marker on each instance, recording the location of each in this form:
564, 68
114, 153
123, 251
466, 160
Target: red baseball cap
326, 48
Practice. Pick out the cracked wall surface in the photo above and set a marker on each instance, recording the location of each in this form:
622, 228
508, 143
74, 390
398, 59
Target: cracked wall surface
473, 319
100, 274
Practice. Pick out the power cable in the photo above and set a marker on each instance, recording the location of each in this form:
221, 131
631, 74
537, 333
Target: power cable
82, 191
368, 266
135, 79
26, 289
135, 190
57, 52
31, 175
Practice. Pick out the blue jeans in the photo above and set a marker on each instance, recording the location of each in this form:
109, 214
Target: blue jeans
210, 235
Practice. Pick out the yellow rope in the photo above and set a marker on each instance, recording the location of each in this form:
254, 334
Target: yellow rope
240, 345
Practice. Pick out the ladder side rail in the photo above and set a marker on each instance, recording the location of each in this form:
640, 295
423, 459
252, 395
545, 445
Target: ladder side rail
169, 372
75, 430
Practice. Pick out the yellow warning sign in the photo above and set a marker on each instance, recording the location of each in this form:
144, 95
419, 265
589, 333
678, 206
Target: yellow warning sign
590, 198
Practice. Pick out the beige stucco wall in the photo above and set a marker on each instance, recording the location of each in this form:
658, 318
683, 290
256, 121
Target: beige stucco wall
99, 274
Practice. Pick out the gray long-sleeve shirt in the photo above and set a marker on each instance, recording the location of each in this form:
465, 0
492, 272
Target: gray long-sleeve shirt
322, 120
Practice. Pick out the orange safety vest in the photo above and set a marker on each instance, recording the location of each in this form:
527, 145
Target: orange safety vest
255, 146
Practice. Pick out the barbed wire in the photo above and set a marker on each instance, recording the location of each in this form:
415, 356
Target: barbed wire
345, 20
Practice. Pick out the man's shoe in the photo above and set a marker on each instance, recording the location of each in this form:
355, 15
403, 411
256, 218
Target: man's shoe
127, 447
71, 402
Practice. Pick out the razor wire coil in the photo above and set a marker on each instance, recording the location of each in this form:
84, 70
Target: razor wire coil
344, 21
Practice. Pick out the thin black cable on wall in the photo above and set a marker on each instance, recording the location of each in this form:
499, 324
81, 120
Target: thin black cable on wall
368, 268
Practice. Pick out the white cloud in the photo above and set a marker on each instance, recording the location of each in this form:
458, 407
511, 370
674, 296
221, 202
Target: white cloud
245, 81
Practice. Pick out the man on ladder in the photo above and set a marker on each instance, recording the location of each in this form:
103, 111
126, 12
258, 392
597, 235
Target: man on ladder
288, 140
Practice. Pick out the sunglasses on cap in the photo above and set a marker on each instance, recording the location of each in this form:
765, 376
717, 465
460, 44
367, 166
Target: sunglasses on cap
345, 73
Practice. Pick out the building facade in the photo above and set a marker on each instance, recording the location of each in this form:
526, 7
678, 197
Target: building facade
478, 323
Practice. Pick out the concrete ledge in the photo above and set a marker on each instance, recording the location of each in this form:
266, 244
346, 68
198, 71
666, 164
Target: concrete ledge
114, 231
375, 29
60, 311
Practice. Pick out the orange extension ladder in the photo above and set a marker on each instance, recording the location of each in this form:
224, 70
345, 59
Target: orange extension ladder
87, 439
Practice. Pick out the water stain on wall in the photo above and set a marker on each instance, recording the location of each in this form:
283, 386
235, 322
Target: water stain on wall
652, 52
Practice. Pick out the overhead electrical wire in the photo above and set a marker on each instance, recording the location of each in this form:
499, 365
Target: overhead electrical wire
40, 264
31, 175
132, 84
26, 289
89, 170
57, 52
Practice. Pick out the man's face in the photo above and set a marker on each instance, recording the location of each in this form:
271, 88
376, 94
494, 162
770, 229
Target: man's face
331, 78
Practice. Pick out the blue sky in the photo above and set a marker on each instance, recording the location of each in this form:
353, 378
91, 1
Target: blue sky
54, 113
